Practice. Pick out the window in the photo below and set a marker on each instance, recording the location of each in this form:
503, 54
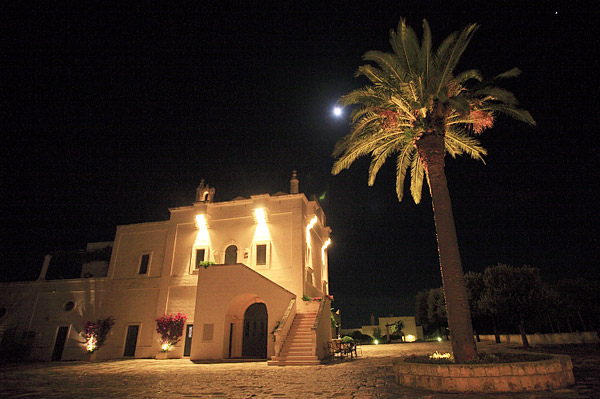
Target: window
144, 263
199, 257
261, 254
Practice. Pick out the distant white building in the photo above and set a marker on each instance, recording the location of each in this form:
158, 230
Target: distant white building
410, 330
269, 251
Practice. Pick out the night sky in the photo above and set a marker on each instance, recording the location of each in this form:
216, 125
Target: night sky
112, 115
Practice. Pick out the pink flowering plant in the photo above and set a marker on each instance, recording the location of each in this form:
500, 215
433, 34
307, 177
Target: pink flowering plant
170, 329
95, 333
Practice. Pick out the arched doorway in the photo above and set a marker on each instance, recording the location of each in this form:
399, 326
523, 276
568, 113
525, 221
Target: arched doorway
255, 331
231, 255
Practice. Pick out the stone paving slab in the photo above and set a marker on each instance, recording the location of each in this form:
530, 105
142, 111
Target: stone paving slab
370, 376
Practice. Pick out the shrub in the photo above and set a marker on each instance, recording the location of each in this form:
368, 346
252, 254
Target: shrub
95, 333
170, 329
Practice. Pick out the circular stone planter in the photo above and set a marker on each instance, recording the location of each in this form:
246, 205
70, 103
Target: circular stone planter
540, 375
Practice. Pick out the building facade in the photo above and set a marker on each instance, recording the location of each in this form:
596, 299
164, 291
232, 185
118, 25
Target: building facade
238, 270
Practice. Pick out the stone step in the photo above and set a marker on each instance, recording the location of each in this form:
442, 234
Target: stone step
299, 341
296, 353
288, 362
297, 347
300, 332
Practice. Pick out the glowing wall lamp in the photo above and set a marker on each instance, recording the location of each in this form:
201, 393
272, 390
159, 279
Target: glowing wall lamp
260, 216
262, 230
201, 222
202, 227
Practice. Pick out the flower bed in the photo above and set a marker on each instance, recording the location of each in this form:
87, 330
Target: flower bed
534, 375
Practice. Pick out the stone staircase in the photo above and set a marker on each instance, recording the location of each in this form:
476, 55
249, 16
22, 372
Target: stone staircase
299, 346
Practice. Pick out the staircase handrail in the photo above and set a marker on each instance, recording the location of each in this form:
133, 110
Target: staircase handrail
319, 313
321, 328
283, 328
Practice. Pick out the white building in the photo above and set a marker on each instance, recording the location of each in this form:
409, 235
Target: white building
269, 252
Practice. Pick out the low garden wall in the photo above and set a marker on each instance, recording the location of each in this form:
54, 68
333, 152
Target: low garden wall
553, 373
547, 339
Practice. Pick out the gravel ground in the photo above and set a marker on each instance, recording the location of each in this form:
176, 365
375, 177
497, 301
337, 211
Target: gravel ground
370, 376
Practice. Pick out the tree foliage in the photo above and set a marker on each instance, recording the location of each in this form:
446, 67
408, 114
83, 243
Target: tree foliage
408, 89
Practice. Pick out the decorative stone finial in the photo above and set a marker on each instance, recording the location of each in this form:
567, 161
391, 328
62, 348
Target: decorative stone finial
294, 183
204, 193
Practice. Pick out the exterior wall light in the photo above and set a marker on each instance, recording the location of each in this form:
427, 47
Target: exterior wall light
262, 230
201, 222
260, 216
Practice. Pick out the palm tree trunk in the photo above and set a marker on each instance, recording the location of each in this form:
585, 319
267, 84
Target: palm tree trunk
431, 152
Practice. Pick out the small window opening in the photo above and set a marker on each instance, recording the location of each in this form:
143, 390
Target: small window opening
261, 254
144, 262
199, 257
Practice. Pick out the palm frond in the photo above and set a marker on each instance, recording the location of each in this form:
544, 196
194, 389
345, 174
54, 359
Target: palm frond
464, 76
425, 51
460, 103
494, 93
380, 155
405, 44
447, 63
353, 146
400, 103
417, 173
512, 73
457, 142
515, 113
403, 162
387, 62
374, 74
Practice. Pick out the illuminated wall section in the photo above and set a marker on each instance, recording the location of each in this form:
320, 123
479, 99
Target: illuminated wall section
309, 254
261, 242
201, 249
262, 230
202, 238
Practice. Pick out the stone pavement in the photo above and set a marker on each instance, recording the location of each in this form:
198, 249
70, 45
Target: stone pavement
370, 376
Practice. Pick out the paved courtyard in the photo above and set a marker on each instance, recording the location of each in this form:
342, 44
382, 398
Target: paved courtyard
370, 376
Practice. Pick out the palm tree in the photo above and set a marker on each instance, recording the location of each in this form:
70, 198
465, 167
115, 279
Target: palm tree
417, 108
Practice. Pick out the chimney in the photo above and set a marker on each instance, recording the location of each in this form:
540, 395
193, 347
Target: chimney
294, 184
